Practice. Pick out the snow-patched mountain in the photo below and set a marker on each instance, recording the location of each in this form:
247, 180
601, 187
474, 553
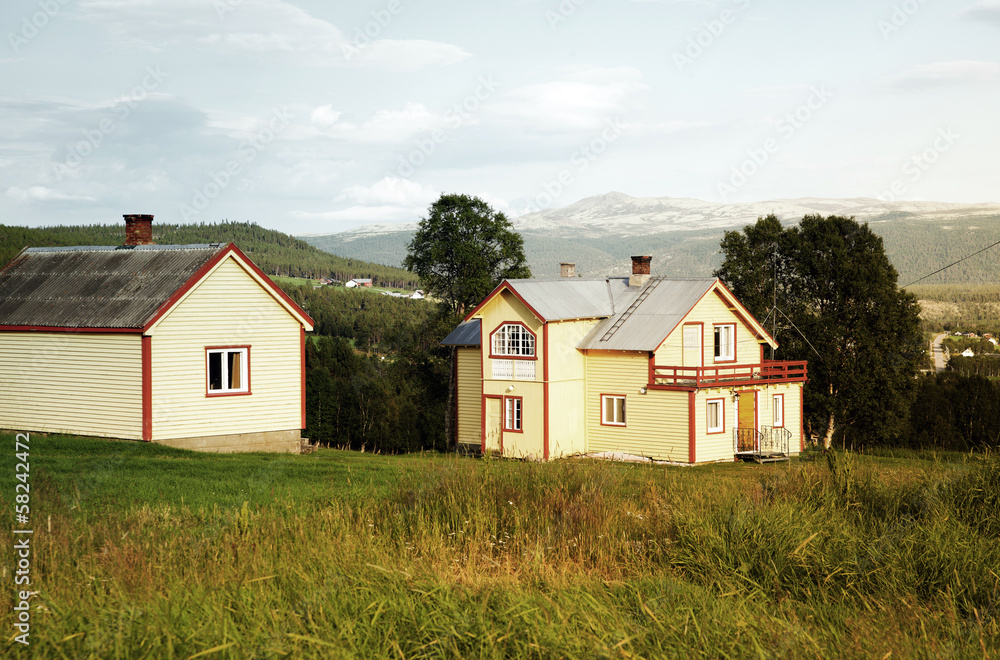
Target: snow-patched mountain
619, 214
682, 235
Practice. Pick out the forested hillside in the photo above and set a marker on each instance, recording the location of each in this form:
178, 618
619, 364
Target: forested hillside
274, 252
915, 245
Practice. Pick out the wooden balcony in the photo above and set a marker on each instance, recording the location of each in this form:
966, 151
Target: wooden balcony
737, 375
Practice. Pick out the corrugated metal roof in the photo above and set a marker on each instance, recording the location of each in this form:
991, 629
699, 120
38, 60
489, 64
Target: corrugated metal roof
575, 298
467, 333
646, 326
96, 286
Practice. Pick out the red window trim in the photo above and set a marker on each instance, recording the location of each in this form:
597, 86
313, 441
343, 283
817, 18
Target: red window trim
614, 424
717, 360
211, 395
503, 412
513, 357
722, 416
782, 397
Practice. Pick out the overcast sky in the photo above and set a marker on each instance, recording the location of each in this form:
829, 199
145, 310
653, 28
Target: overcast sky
310, 116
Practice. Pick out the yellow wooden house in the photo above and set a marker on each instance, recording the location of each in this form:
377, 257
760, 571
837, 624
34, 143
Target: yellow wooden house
186, 345
668, 369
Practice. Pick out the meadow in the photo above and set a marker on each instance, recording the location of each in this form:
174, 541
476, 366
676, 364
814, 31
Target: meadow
145, 551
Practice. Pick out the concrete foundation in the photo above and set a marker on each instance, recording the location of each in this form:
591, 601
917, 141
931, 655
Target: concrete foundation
289, 442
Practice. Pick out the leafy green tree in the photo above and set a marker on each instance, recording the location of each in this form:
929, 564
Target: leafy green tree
840, 309
463, 249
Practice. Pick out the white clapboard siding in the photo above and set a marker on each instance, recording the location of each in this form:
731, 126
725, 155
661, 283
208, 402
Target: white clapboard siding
82, 383
228, 308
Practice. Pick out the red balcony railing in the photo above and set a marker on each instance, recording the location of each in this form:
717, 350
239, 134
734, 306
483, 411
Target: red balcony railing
769, 371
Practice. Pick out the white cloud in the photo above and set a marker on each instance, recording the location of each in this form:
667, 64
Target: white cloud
43, 194
410, 54
324, 116
582, 100
262, 28
383, 126
985, 10
390, 191
944, 73
357, 215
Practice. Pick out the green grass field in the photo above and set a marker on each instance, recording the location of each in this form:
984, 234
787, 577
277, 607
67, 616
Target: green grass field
143, 551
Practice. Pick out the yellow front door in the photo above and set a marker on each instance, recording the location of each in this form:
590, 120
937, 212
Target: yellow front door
747, 421
493, 421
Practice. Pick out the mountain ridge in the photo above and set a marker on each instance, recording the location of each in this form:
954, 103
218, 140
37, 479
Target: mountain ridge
683, 234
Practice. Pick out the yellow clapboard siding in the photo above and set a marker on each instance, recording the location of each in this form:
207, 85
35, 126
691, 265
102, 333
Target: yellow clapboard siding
710, 311
567, 376
469, 393
228, 308
86, 383
656, 422
715, 446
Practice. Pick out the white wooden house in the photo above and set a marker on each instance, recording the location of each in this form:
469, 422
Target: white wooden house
185, 345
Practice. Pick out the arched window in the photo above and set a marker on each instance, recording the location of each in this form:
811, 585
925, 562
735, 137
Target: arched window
513, 340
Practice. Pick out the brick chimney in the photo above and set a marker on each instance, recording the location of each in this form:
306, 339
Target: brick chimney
138, 229
567, 269
640, 271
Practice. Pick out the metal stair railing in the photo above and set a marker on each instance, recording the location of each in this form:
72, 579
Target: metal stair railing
775, 439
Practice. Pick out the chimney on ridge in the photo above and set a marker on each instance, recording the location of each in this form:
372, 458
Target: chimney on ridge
640, 271
138, 229
567, 269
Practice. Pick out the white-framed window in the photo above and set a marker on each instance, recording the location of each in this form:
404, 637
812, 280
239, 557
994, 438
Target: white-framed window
715, 410
512, 413
778, 402
612, 410
725, 342
228, 370
513, 339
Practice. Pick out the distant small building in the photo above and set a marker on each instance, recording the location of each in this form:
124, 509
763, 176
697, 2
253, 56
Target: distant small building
358, 282
968, 353
417, 295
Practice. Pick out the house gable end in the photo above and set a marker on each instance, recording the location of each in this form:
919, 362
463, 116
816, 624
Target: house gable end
716, 308
251, 270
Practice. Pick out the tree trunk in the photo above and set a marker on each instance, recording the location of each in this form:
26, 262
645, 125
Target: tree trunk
830, 426
828, 438
451, 437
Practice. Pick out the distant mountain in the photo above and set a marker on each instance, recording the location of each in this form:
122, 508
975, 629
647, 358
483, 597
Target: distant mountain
600, 233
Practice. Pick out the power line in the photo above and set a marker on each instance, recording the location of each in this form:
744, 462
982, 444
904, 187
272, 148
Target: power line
952, 264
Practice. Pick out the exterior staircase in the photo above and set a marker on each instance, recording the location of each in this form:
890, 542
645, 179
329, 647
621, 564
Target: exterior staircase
767, 445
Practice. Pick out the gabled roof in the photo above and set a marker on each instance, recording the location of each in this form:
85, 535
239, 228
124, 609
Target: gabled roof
634, 318
110, 288
566, 299
466, 334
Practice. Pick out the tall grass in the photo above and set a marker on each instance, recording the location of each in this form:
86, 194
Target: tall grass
463, 558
